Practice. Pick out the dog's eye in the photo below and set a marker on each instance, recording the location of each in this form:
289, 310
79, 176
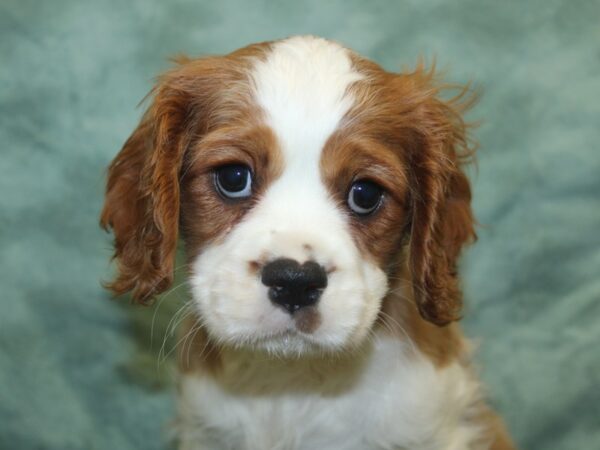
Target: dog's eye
234, 181
364, 197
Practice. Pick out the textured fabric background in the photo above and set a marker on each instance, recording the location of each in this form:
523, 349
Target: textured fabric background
81, 371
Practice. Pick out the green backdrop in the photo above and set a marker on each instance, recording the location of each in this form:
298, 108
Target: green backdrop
81, 371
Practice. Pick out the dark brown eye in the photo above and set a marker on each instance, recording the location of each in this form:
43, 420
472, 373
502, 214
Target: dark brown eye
234, 181
364, 197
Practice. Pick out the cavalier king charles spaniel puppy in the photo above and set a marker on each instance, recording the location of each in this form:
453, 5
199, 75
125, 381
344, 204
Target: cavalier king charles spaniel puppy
323, 206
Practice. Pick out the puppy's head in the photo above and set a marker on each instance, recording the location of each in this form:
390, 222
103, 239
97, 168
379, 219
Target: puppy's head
303, 180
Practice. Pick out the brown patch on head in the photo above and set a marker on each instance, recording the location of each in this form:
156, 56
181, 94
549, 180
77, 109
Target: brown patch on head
403, 135
193, 101
307, 319
348, 158
206, 216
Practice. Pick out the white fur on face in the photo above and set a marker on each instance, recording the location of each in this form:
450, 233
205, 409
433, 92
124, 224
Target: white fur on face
302, 88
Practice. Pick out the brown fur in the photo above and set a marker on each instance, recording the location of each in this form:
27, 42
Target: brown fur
197, 353
256, 146
399, 315
406, 114
347, 158
142, 203
308, 319
500, 438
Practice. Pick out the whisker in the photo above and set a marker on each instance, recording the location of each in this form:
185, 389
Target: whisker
387, 317
187, 344
183, 311
174, 272
183, 339
162, 299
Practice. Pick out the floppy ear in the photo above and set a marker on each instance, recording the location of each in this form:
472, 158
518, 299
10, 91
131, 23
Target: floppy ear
442, 221
142, 194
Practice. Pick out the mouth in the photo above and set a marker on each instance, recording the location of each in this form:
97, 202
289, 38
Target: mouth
295, 340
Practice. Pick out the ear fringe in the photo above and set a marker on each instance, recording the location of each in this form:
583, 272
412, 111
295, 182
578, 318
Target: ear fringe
442, 218
142, 196
142, 199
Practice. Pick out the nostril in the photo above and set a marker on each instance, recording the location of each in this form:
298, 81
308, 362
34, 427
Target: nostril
275, 291
313, 294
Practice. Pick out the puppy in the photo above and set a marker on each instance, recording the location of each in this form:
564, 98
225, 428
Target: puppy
323, 207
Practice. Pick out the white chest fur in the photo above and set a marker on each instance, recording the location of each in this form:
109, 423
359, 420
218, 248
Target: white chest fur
388, 396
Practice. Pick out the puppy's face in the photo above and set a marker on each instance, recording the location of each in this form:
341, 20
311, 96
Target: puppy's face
302, 178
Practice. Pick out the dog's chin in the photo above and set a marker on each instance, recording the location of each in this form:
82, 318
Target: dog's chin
292, 344
287, 344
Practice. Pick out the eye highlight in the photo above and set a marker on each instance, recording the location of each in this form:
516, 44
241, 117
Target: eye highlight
364, 197
234, 181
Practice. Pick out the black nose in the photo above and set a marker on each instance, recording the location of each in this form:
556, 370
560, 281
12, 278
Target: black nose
292, 285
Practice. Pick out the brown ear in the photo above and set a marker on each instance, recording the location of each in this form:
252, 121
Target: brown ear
442, 221
142, 195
